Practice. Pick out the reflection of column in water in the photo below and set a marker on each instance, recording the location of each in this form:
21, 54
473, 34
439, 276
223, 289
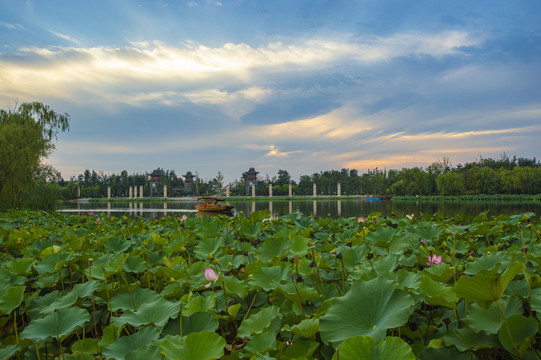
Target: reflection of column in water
130, 205
339, 208
140, 209
108, 209
314, 211
165, 205
253, 206
270, 209
290, 207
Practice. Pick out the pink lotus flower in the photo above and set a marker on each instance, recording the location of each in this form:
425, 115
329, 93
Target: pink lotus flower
410, 216
91, 213
211, 276
434, 260
98, 219
184, 217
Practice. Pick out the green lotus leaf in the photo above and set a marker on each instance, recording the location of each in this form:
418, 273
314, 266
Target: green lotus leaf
79, 291
84, 346
486, 262
438, 294
367, 309
199, 303
196, 322
466, 339
427, 233
117, 245
258, 322
146, 352
299, 245
381, 237
261, 343
11, 299
300, 349
234, 286
518, 337
140, 296
135, 264
490, 320
268, 277
365, 348
209, 245
275, 247
7, 351
157, 312
204, 345
486, 286
208, 227
306, 328
60, 323
49, 264
408, 280
250, 230
19, 266
121, 347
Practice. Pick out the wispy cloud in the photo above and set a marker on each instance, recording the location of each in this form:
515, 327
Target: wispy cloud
11, 26
65, 37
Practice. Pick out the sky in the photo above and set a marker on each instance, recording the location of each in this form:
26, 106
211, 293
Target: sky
305, 86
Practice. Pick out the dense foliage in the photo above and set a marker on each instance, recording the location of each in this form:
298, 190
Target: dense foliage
288, 288
26, 138
485, 176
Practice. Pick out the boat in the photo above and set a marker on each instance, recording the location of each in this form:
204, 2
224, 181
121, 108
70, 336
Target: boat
212, 204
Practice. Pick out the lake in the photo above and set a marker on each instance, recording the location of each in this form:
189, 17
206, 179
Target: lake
317, 208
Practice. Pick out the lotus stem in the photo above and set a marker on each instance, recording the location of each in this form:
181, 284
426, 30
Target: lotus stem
180, 321
148, 266
37, 350
107, 291
298, 295
507, 327
250, 307
15, 326
129, 291
523, 246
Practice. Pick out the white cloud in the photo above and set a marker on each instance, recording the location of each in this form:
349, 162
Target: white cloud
106, 71
11, 26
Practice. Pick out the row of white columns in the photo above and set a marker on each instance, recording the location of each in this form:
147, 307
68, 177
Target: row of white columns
132, 192
338, 190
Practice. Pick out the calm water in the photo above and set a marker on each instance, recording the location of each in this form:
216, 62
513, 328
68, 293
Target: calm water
317, 208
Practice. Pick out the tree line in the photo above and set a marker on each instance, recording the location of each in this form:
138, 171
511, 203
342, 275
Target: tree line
506, 175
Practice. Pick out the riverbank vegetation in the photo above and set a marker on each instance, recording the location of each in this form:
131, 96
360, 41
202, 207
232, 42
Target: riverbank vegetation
93, 287
502, 177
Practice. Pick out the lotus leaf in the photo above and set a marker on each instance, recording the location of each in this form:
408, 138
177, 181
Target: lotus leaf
268, 277
79, 291
466, 339
300, 349
306, 328
258, 322
261, 343
199, 303
486, 286
383, 307
519, 336
196, 322
365, 348
490, 320
121, 347
59, 323
156, 312
204, 345
11, 298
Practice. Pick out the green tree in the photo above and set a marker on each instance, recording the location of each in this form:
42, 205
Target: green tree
27, 136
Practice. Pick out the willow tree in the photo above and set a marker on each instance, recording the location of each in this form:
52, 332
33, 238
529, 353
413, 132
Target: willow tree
27, 135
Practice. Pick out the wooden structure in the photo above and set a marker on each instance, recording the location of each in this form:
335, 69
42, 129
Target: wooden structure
212, 204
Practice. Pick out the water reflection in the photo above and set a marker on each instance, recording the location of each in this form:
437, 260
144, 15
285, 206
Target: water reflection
315, 208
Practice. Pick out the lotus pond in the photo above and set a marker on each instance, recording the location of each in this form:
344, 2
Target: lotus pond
425, 287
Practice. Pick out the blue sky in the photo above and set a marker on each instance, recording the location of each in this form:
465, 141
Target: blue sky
208, 86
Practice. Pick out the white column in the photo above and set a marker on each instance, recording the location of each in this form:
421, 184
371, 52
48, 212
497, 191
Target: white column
135, 192
165, 191
270, 190
131, 192
108, 192
290, 190
253, 190
339, 190
141, 191
227, 191
315, 189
